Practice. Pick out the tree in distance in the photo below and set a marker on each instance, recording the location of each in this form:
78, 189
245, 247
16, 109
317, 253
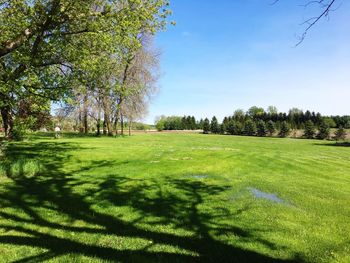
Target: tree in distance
284, 130
214, 125
249, 128
261, 128
206, 126
323, 132
340, 134
270, 128
309, 131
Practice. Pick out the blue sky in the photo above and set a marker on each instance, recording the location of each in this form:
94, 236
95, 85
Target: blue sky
229, 54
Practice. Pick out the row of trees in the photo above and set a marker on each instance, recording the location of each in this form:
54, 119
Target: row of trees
257, 121
95, 56
262, 129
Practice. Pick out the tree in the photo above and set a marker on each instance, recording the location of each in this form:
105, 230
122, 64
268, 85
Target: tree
249, 128
270, 128
222, 128
284, 129
214, 125
309, 131
45, 45
323, 132
206, 126
261, 128
340, 134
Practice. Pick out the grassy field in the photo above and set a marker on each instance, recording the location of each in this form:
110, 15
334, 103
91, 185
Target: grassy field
174, 198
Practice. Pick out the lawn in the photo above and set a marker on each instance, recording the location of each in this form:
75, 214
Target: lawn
174, 198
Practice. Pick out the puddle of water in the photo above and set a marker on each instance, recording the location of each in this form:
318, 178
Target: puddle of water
262, 195
199, 176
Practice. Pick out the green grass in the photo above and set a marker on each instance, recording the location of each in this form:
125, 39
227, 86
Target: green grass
174, 198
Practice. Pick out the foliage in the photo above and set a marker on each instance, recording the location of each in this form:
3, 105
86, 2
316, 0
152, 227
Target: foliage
284, 129
340, 134
271, 129
214, 125
249, 128
323, 132
206, 126
309, 131
261, 128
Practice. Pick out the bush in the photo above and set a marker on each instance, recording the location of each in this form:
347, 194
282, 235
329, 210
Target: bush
261, 128
249, 128
284, 130
309, 131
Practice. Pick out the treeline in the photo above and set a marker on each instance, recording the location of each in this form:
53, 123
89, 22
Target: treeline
258, 122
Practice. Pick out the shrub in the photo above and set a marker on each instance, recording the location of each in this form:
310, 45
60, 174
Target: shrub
284, 130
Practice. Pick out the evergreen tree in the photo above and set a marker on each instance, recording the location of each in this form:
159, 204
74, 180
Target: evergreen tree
200, 124
230, 128
206, 126
261, 128
323, 132
249, 128
340, 134
284, 129
222, 128
214, 125
309, 131
271, 127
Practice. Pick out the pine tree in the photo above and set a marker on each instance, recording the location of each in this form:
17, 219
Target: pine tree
340, 134
309, 131
206, 126
214, 125
261, 128
271, 127
222, 128
323, 132
230, 128
249, 128
284, 129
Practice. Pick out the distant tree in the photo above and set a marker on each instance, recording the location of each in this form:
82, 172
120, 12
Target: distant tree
230, 127
255, 112
222, 128
270, 128
340, 134
214, 125
309, 131
284, 129
249, 128
206, 126
200, 124
323, 132
272, 110
261, 128
239, 115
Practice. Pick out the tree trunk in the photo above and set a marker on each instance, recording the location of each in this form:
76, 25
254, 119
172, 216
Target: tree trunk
85, 117
7, 121
121, 124
130, 123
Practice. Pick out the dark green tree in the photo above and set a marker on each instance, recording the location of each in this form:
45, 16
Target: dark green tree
323, 132
249, 128
340, 134
270, 128
284, 129
206, 126
222, 128
214, 125
309, 131
261, 128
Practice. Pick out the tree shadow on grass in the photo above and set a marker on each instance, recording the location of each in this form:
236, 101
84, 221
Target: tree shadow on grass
337, 144
58, 192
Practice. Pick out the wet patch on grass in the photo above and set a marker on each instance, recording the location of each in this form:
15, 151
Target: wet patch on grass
267, 196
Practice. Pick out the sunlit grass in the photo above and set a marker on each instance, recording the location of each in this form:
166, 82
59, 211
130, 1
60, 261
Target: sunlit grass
173, 197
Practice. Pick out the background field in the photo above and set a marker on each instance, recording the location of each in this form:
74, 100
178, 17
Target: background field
174, 198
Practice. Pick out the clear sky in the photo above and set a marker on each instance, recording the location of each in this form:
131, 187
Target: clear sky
229, 54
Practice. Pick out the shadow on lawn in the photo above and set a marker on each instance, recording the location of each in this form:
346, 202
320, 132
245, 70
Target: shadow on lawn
54, 190
337, 144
